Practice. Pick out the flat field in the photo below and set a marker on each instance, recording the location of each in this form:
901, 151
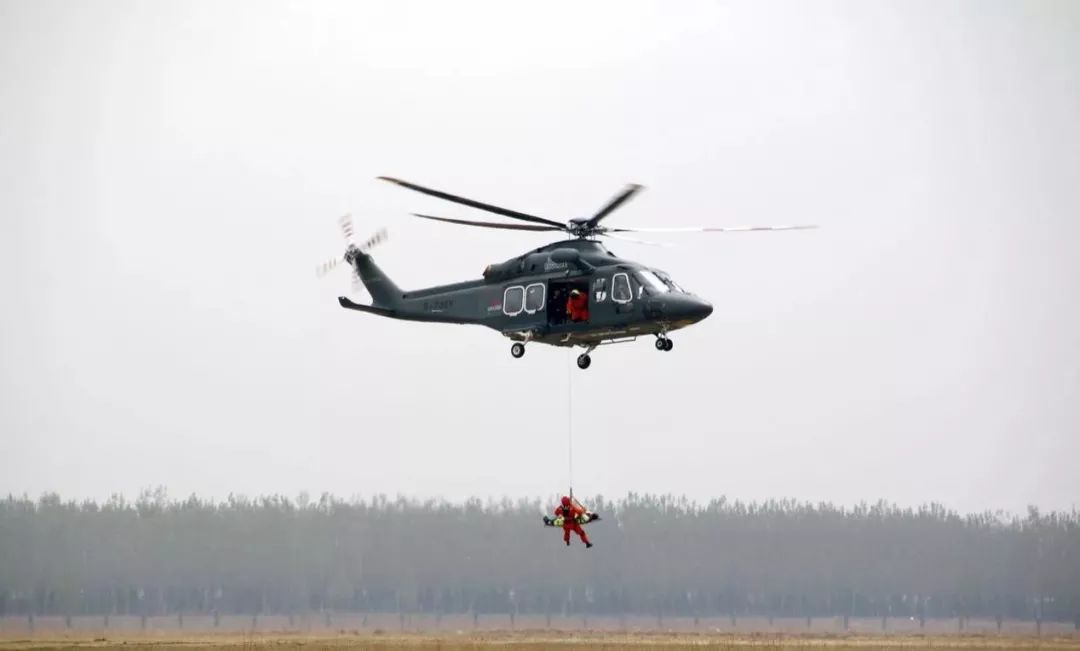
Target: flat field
524, 639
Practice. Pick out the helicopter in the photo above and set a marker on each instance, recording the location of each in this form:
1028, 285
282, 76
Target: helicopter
570, 293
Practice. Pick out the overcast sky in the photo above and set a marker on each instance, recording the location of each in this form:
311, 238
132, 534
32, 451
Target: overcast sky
171, 174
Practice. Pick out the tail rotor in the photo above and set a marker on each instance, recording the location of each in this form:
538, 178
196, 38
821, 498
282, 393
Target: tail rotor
346, 224
352, 251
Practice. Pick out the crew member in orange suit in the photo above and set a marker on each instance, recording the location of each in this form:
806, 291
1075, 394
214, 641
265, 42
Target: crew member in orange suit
570, 512
577, 306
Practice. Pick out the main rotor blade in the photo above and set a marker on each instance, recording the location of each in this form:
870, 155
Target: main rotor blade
637, 241
466, 222
708, 229
615, 202
505, 212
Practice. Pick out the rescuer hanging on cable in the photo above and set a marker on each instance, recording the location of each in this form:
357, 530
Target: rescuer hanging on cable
570, 515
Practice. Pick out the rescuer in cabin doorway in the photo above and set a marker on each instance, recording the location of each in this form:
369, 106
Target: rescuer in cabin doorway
577, 306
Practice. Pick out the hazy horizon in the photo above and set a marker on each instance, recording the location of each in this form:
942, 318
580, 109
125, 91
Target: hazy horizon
545, 502
171, 175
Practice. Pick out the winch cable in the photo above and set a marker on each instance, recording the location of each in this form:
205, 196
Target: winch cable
570, 420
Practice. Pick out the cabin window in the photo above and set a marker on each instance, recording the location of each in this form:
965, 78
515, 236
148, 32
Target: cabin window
600, 290
534, 298
620, 288
513, 300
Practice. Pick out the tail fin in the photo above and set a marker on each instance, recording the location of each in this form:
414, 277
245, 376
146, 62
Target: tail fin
383, 291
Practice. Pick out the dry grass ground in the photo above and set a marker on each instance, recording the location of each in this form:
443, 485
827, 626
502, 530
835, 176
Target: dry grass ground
522, 639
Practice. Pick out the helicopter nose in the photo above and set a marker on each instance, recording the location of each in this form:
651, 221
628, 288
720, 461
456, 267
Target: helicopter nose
698, 309
685, 309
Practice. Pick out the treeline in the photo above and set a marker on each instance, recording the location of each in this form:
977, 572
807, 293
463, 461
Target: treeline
653, 554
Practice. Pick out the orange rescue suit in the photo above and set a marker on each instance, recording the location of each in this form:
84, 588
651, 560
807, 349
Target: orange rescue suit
577, 307
570, 513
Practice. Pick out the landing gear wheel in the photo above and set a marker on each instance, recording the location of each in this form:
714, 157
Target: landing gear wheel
660, 343
668, 345
583, 361
517, 350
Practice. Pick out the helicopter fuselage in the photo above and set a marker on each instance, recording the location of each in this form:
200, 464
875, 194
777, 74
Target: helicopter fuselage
526, 298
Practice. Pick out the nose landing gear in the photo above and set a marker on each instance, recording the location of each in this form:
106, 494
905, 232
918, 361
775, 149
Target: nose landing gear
663, 343
517, 350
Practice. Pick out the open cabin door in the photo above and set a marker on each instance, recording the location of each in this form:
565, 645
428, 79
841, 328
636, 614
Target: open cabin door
559, 297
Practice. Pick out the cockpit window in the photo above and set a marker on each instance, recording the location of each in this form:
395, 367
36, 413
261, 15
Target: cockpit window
669, 282
649, 280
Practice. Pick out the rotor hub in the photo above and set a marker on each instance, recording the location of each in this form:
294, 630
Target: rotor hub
581, 228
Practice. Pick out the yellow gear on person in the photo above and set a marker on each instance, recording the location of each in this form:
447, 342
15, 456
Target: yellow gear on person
558, 521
